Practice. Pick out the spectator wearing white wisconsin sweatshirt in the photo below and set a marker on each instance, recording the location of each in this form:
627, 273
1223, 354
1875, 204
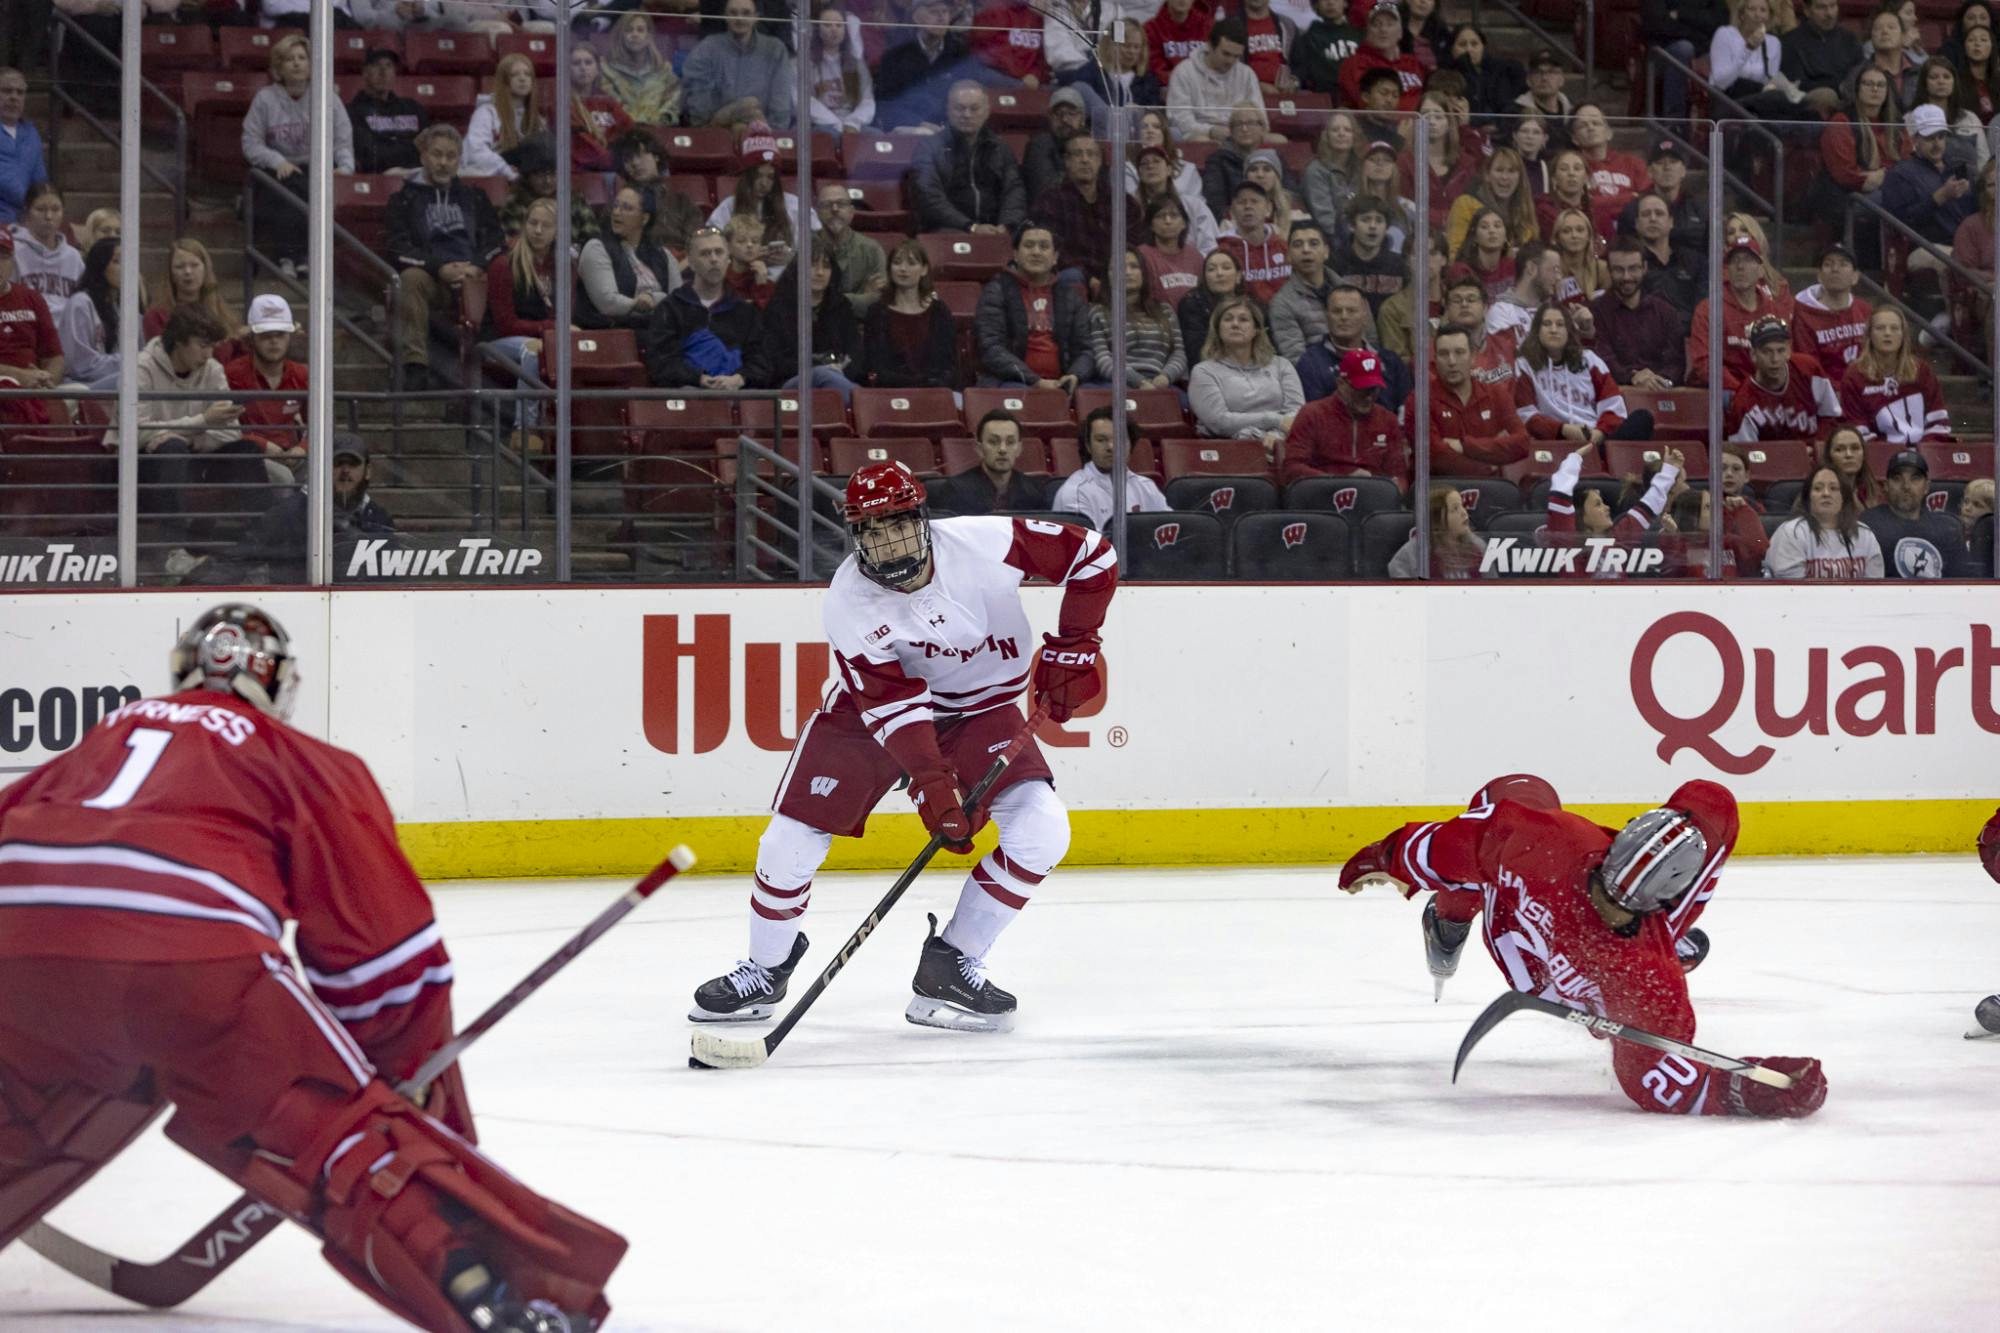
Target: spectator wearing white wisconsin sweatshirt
1204, 90
277, 138
1242, 388
1829, 540
44, 261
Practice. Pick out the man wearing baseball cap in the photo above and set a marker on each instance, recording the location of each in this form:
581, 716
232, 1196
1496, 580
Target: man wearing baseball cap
386, 125
1745, 300
274, 549
1348, 434
1829, 322
1786, 397
1545, 98
277, 424
30, 348
1922, 192
1381, 48
1918, 542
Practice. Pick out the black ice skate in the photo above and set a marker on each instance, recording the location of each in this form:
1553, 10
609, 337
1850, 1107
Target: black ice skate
1988, 1016
494, 1307
953, 992
1691, 948
747, 992
1443, 941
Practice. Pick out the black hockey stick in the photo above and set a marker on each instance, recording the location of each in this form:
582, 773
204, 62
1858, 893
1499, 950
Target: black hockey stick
1514, 1001
230, 1235
709, 1050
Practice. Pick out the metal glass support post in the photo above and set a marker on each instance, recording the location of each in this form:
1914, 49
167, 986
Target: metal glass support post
556, 358
1993, 384
1115, 300
1715, 298
128, 299
802, 272
1420, 373
319, 302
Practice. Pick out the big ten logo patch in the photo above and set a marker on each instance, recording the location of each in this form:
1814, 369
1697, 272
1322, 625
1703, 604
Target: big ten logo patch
690, 668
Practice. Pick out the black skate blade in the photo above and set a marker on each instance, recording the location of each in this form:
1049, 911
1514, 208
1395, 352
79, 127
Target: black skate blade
929, 1013
1981, 1034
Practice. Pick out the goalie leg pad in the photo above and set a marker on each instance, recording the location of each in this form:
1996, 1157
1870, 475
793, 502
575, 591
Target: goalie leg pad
400, 1202
52, 1141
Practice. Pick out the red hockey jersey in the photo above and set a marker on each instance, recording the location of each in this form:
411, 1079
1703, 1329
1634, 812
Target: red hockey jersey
1803, 409
1899, 411
194, 826
1527, 871
1833, 337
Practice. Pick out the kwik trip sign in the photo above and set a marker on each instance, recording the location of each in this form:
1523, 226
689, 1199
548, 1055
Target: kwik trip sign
58, 563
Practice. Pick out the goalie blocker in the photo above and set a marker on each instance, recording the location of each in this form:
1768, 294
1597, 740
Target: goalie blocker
146, 878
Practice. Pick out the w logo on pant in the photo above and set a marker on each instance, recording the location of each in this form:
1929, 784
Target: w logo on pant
824, 786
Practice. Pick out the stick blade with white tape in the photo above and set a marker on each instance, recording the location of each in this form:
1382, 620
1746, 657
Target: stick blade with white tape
712, 1050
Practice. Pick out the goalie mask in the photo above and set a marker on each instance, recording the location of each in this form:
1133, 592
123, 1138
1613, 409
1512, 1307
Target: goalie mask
1653, 860
237, 649
892, 530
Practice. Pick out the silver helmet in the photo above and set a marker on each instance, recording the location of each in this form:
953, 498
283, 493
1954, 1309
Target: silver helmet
1653, 860
237, 649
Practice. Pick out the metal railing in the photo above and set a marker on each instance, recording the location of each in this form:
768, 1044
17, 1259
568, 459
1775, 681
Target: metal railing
68, 30
1585, 64
258, 182
1656, 61
751, 548
1943, 256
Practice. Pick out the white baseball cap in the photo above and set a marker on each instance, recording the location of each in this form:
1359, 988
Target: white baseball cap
1926, 120
271, 313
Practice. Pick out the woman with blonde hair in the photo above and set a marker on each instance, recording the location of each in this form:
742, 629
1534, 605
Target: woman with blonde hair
1242, 388
1584, 274
190, 280
639, 75
1503, 188
520, 283
101, 223
1889, 390
276, 139
1569, 187
1334, 172
511, 112
596, 118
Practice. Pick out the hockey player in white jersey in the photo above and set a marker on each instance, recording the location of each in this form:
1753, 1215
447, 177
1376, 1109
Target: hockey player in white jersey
931, 647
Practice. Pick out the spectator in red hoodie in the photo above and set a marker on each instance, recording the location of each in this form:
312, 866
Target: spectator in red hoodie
1348, 434
1256, 245
1177, 31
30, 348
277, 424
1381, 48
1613, 175
1786, 397
1007, 39
1474, 428
1745, 299
1829, 322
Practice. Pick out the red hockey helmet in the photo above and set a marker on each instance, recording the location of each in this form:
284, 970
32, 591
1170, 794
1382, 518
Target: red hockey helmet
892, 530
1520, 788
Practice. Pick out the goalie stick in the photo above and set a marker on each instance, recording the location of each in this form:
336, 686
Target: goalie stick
1514, 1001
231, 1234
707, 1050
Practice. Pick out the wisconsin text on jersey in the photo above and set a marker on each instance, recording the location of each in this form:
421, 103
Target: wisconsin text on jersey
1597, 555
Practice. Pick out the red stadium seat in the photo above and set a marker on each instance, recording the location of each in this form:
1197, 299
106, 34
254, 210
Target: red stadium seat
359, 203
605, 359
707, 149
962, 455
1542, 461
1065, 457
216, 104
1628, 458
467, 53
247, 50
1041, 412
871, 156
701, 189
539, 47
850, 456
352, 45
825, 158
1296, 155
679, 425
962, 299
63, 477
878, 206
497, 188
448, 97
1778, 460
965, 257
1155, 412
1225, 458
1299, 116
1678, 414
1019, 109
829, 416
167, 52
1879, 454
1959, 461
1196, 151
905, 413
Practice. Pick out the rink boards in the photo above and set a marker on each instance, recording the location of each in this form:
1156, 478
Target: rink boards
566, 732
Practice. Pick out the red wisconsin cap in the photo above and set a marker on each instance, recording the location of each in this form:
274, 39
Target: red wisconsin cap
1362, 369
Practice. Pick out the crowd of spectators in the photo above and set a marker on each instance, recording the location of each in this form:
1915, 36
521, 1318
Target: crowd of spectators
1265, 272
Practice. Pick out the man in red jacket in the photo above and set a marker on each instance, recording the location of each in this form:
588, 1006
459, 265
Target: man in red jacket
1745, 299
1381, 24
1474, 428
277, 424
1348, 434
1613, 175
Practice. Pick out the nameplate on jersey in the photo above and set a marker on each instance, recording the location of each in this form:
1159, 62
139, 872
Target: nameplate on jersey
58, 562
402, 559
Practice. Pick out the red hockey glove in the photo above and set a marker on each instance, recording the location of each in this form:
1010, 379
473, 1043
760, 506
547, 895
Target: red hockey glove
1066, 673
1989, 846
941, 803
1372, 865
1748, 1097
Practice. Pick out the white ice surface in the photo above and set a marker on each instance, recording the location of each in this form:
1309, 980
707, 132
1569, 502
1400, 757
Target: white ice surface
1226, 1106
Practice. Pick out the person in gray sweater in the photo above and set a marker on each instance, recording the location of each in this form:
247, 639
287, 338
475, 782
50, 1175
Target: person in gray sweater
277, 137
1243, 389
738, 76
1298, 309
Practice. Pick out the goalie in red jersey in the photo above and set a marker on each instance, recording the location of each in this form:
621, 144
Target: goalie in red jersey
146, 878
1591, 919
